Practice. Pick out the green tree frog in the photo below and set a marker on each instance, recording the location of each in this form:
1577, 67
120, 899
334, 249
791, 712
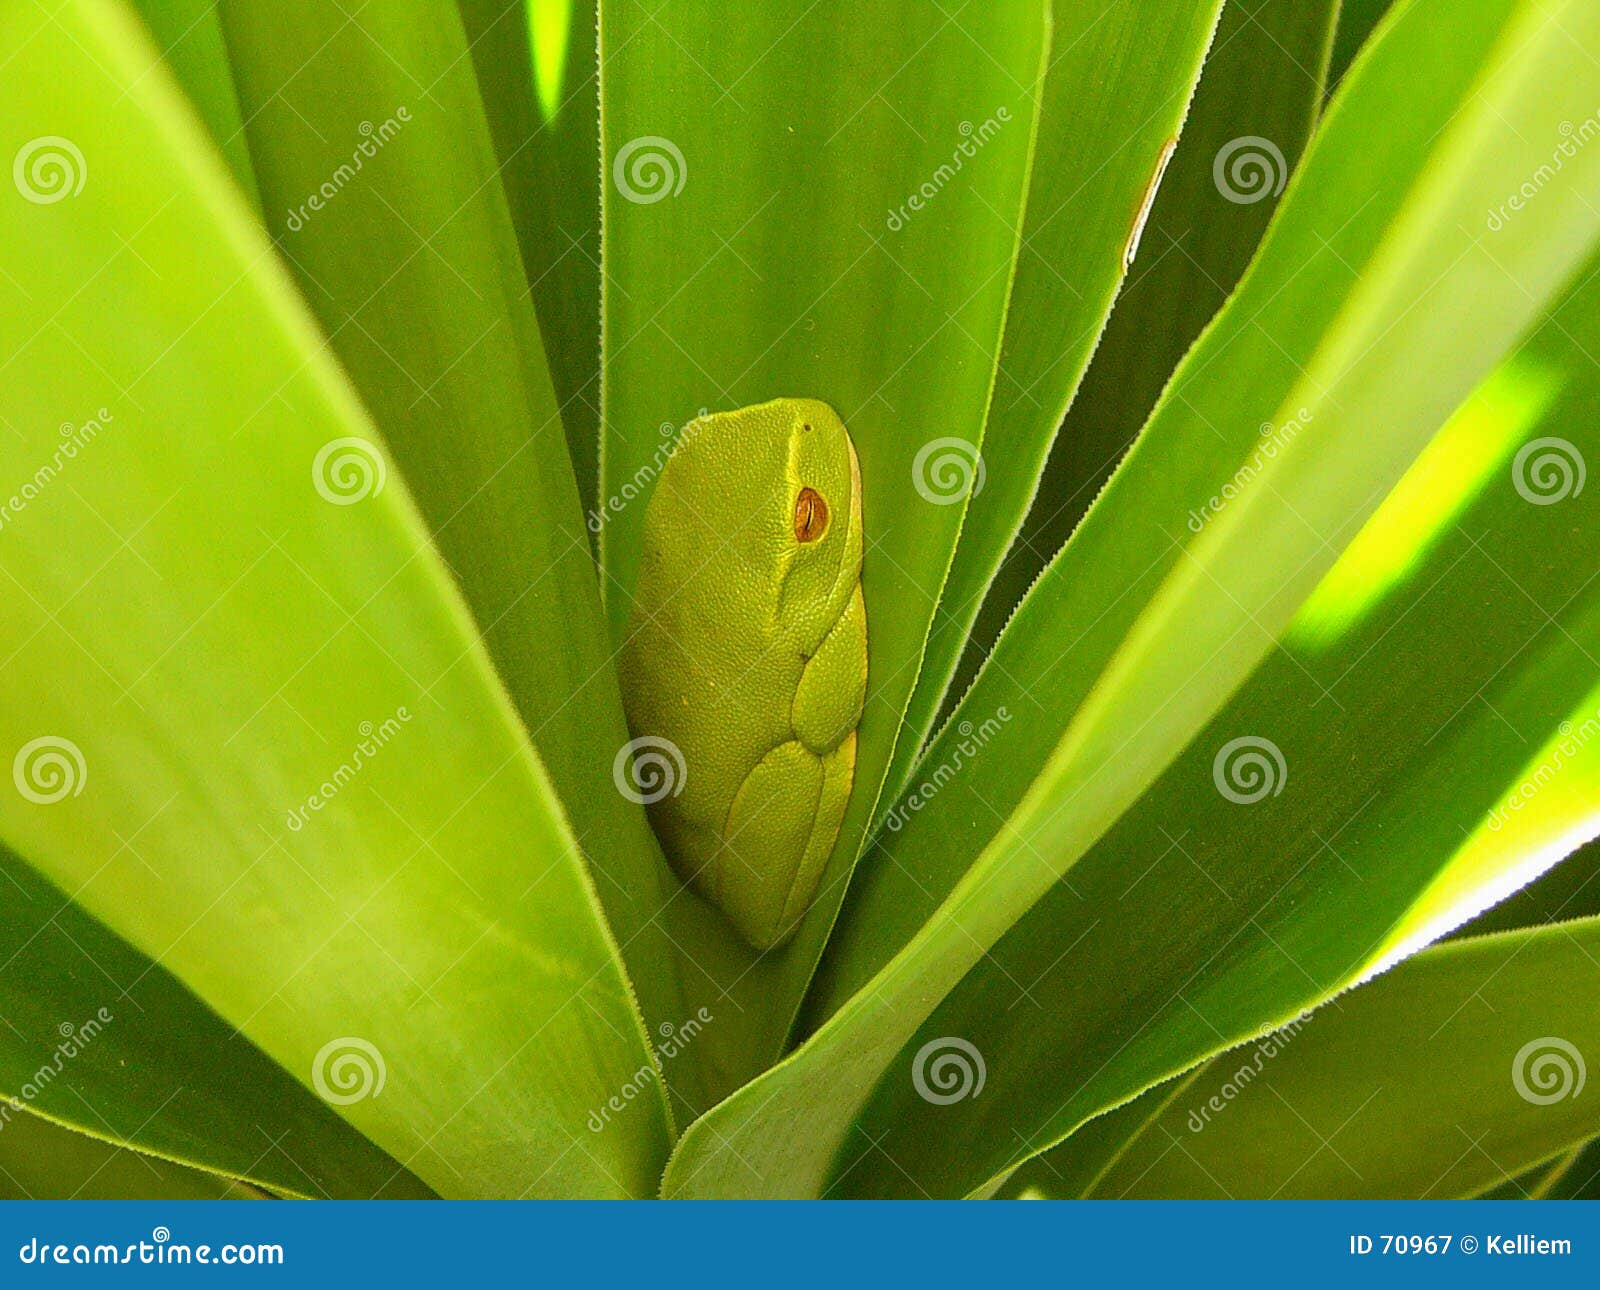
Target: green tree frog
747, 649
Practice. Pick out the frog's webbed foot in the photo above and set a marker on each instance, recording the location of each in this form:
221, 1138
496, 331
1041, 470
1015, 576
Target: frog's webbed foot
781, 829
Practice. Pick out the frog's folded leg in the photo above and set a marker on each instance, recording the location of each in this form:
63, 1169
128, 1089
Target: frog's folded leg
781, 829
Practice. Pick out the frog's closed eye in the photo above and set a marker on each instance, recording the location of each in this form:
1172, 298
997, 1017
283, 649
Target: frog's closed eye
810, 516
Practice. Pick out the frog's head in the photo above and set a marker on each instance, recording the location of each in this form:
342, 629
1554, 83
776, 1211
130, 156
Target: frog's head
759, 512
820, 552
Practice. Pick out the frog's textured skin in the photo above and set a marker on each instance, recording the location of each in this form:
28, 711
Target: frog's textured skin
747, 649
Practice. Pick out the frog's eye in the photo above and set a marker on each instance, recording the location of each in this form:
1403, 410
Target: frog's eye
810, 516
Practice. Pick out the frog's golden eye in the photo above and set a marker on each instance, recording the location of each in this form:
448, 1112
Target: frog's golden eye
810, 515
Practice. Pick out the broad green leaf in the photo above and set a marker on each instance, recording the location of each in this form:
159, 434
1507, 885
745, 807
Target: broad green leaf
42, 1161
1402, 756
1252, 114
795, 205
251, 726
1570, 890
1114, 100
189, 36
1457, 1070
536, 66
1359, 252
99, 1038
1357, 20
380, 182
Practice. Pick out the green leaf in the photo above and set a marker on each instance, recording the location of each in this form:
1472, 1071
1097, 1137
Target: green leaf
1262, 81
276, 758
1358, 251
99, 1038
763, 238
1114, 100
42, 1161
1405, 755
382, 117
1357, 21
189, 35
536, 63
1454, 1072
